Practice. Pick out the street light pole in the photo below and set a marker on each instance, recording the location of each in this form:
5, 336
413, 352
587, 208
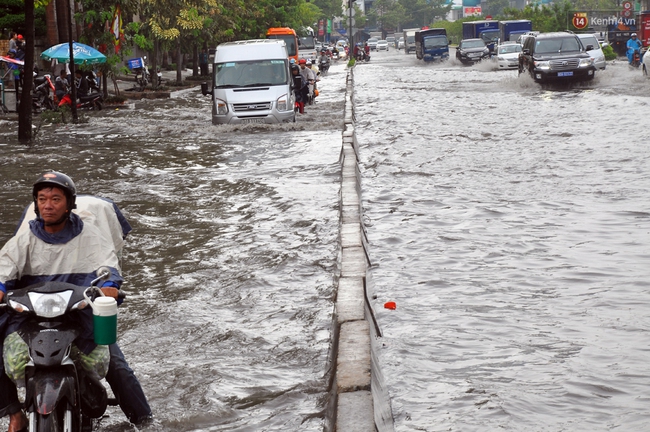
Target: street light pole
73, 93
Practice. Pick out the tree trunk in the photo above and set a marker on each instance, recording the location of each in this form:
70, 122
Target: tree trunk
154, 66
179, 63
25, 109
195, 63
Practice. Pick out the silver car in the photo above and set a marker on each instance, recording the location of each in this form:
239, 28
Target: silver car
596, 53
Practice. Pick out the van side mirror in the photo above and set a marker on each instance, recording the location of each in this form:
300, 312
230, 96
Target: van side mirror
204, 89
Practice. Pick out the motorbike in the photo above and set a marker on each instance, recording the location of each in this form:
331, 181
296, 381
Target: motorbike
59, 395
93, 101
636, 58
362, 56
323, 66
44, 96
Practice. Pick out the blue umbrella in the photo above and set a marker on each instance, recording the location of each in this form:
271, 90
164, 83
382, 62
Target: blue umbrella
83, 54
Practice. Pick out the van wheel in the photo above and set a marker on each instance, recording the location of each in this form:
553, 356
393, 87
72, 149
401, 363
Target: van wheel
645, 71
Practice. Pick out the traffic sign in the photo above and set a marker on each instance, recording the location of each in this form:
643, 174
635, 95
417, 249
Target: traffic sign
349, 12
627, 5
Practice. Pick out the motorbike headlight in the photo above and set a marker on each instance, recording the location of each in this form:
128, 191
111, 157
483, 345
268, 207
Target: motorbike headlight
50, 305
283, 103
222, 107
586, 62
544, 65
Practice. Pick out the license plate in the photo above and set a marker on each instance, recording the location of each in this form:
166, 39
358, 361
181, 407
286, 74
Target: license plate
252, 120
564, 74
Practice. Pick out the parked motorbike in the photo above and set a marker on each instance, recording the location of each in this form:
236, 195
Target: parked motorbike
60, 395
44, 96
93, 101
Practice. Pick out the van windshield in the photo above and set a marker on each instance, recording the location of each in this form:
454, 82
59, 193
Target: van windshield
435, 41
251, 73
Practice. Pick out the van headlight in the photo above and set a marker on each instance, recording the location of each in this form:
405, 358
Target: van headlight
586, 62
283, 103
222, 107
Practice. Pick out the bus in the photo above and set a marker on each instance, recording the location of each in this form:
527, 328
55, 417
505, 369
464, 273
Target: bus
288, 35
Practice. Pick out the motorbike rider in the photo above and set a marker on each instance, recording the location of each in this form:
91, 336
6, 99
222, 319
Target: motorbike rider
81, 83
366, 49
61, 84
324, 59
300, 88
308, 75
357, 51
59, 246
633, 44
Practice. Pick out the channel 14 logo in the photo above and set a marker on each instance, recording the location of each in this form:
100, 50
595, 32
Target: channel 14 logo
603, 20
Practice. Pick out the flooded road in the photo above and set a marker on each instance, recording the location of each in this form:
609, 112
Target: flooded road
231, 265
510, 224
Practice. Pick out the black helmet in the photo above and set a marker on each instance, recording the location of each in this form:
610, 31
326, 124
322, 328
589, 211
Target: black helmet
295, 67
56, 179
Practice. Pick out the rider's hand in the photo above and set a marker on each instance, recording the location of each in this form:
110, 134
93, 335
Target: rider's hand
110, 292
2, 295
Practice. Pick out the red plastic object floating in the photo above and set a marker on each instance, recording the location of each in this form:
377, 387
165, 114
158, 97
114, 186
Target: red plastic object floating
390, 305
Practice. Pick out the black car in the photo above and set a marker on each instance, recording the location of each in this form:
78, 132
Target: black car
470, 51
556, 57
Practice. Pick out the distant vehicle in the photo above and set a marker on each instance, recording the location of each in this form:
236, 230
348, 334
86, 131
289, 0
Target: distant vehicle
391, 41
645, 64
488, 31
511, 30
409, 40
522, 38
508, 55
431, 44
596, 53
307, 46
288, 35
400, 43
382, 45
557, 56
372, 43
471, 51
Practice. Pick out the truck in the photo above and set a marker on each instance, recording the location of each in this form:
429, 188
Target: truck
409, 39
431, 44
486, 30
511, 30
307, 45
288, 35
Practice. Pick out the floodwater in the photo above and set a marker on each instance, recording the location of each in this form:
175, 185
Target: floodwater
508, 222
511, 225
231, 266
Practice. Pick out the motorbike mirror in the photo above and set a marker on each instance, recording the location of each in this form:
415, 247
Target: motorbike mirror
103, 274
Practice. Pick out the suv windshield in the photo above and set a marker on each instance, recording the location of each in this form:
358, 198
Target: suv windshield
557, 45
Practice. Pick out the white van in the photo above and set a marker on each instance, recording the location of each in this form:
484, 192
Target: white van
251, 83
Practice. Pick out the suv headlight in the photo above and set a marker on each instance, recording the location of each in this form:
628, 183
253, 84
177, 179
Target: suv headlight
544, 65
283, 103
586, 62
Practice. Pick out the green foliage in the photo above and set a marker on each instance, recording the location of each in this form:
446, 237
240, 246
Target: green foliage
454, 28
422, 12
544, 18
609, 53
12, 18
351, 62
